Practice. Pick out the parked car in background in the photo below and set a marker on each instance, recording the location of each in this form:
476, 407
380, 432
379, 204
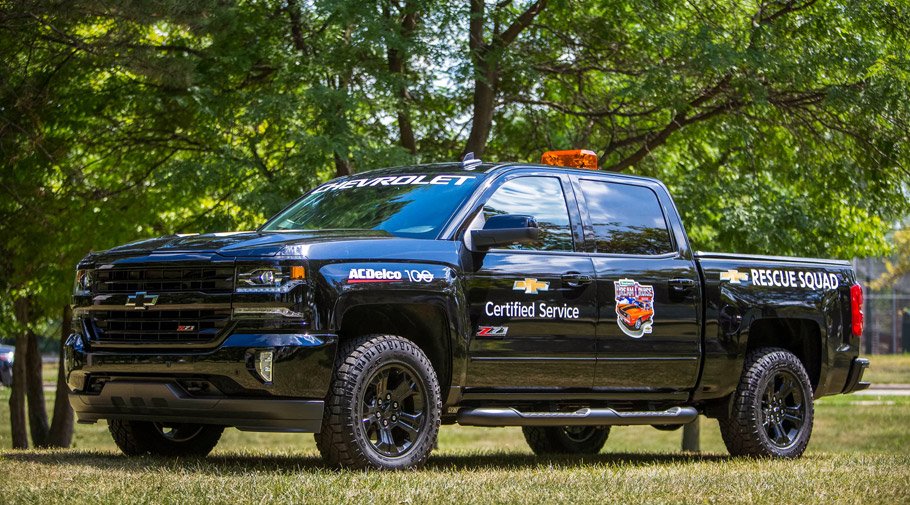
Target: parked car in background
7, 352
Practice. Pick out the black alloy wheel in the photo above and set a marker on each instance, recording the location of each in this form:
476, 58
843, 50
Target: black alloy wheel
783, 409
393, 410
179, 432
545, 440
773, 407
135, 438
582, 434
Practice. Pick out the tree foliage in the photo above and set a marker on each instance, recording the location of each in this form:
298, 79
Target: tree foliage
900, 267
780, 126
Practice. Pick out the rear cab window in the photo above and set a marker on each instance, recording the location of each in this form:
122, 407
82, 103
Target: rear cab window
624, 219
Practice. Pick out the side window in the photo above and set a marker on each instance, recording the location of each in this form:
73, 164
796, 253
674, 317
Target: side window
626, 219
541, 197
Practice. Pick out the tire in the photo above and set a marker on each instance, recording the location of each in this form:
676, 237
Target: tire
638, 324
135, 438
566, 439
772, 408
383, 406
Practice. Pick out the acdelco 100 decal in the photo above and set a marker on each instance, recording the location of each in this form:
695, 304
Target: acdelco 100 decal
360, 275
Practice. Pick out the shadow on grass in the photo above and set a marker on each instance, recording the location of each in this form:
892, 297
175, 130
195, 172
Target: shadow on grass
511, 461
229, 464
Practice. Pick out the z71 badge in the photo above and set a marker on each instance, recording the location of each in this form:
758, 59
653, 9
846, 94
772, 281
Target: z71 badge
634, 307
492, 331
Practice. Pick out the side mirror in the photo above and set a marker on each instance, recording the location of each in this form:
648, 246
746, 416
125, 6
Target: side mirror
505, 230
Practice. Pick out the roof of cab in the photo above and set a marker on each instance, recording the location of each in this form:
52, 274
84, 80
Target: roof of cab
488, 169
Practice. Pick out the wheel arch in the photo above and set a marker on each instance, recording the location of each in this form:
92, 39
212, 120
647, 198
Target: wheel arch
802, 337
426, 323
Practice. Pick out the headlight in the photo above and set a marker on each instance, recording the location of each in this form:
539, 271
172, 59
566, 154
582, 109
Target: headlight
83, 283
269, 278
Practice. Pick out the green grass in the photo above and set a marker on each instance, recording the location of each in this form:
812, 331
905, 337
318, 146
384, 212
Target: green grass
463, 478
888, 369
49, 372
858, 454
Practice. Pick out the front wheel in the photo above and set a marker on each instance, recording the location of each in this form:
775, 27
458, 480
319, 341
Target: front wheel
773, 407
176, 439
383, 406
566, 439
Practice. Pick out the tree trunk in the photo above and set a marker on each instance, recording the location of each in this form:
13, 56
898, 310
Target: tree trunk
396, 60
485, 89
482, 120
61, 434
485, 57
37, 410
342, 166
17, 400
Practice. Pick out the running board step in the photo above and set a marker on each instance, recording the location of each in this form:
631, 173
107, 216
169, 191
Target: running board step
582, 417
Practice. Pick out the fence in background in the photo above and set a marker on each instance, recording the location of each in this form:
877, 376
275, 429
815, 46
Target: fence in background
887, 311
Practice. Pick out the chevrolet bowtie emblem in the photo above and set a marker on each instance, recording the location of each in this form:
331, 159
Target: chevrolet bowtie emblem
531, 286
141, 300
734, 276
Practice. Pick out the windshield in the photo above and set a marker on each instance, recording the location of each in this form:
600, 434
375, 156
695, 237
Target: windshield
411, 206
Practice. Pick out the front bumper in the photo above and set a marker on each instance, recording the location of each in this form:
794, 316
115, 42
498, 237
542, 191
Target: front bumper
208, 386
855, 376
166, 401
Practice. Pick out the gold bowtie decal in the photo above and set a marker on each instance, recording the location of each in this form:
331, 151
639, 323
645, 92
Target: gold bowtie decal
531, 286
734, 276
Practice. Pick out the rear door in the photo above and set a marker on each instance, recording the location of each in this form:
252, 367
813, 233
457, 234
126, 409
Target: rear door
647, 286
533, 306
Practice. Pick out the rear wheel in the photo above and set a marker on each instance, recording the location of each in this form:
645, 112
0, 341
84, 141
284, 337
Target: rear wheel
383, 407
172, 439
566, 439
773, 407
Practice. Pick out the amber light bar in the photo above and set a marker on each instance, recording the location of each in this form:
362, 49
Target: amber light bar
576, 158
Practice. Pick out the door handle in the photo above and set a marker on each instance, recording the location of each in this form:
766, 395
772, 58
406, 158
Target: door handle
577, 280
682, 284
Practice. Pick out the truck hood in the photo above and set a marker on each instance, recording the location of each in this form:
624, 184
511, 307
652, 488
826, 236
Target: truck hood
239, 244
324, 245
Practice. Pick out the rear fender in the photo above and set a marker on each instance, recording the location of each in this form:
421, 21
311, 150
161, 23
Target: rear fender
733, 310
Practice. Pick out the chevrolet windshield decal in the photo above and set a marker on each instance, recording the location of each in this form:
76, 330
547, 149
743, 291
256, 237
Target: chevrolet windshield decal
403, 180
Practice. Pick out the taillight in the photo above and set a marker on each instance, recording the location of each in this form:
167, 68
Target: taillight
856, 309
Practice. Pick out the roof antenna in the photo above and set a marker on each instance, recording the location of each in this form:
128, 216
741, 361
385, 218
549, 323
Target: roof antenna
468, 162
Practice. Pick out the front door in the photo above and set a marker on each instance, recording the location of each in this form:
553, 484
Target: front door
532, 306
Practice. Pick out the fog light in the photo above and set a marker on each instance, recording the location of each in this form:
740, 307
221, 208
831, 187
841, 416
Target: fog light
264, 365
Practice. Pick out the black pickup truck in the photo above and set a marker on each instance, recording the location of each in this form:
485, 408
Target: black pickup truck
381, 305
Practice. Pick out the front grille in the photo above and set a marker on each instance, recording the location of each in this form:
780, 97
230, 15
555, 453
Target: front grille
210, 279
158, 326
